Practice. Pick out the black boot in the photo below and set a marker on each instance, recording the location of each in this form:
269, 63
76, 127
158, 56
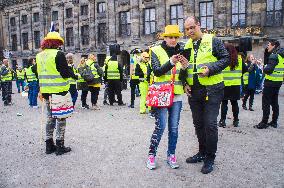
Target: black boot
244, 107
222, 123
199, 157
273, 124
50, 147
236, 123
60, 148
250, 108
207, 166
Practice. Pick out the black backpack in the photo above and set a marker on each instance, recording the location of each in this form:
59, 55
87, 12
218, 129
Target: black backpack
86, 73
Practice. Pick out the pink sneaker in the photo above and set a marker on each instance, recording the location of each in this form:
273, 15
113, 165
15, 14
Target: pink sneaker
151, 162
172, 161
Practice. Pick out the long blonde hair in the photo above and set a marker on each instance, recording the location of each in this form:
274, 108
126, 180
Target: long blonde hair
82, 62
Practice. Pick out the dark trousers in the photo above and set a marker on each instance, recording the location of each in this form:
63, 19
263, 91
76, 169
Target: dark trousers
235, 109
84, 97
74, 93
6, 92
133, 85
94, 94
249, 94
270, 97
114, 87
204, 114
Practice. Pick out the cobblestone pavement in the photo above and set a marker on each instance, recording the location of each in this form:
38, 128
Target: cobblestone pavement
109, 149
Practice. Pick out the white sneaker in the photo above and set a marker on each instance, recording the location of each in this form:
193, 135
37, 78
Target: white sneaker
151, 162
35, 106
172, 161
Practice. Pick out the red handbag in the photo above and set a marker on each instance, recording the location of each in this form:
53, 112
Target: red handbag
161, 95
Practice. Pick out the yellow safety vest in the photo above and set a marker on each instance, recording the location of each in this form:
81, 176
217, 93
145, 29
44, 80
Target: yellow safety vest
72, 80
166, 78
50, 80
112, 71
30, 75
233, 77
133, 77
246, 78
204, 57
7, 77
278, 73
20, 75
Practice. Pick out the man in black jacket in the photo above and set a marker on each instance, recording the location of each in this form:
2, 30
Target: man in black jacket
203, 83
274, 70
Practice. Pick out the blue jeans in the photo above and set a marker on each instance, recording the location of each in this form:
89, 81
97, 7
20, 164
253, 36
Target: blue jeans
20, 83
33, 93
164, 115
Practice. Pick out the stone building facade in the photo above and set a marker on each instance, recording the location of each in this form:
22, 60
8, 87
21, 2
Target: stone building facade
89, 26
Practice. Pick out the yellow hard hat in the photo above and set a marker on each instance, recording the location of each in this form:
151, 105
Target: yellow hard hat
54, 36
172, 31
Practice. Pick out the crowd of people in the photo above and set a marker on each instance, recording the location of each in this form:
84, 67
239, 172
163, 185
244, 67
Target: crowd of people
210, 72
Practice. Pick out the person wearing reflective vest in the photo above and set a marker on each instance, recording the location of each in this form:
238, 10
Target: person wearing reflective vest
134, 80
53, 75
82, 85
232, 80
73, 89
164, 58
141, 70
274, 73
114, 76
32, 81
6, 74
203, 83
20, 79
98, 73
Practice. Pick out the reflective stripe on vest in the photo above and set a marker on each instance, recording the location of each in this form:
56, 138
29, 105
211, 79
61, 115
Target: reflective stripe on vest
133, 77
246, 78
112, 71
278, 73
20, 75
30, 75
166, 78
233, 77
7, 77
204, 56
50, 80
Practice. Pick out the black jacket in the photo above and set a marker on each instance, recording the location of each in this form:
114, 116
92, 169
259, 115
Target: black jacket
219, 51
270, 66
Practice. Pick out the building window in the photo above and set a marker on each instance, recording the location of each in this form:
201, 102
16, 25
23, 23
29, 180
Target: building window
177, 16
149, 21
84, 10
37, 39
102, 34
85, 34
238, 13
274, 12
54, 15
14, 42
206, 14
69, 13
13, 21
101, 7
25, 40
124, 24
36, 17
69, 37
24, 19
